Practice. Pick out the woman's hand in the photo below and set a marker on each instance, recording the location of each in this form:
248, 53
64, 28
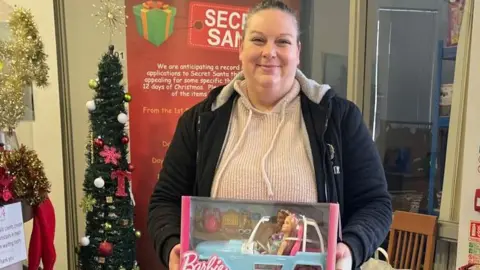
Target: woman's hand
174, 261
343, 257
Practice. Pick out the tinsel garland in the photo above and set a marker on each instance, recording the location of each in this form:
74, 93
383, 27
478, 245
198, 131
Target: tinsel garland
31, 184
23, 62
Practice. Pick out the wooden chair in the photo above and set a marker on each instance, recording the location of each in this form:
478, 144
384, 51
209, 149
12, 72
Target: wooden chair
412, 241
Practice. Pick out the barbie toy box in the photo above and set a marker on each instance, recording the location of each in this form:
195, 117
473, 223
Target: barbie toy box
244, 235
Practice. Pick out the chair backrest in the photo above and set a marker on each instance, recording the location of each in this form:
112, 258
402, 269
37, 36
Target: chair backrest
412, 241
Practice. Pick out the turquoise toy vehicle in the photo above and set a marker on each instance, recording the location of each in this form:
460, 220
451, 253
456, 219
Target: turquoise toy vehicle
307, 249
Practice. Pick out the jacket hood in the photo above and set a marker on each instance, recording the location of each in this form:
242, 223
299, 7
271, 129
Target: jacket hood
313, 90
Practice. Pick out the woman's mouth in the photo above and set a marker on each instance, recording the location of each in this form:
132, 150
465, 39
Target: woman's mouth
268, 68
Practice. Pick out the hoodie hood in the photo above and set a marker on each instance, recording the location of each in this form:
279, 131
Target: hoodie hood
313, 90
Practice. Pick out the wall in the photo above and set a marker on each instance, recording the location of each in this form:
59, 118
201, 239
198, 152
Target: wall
471, 148
44, 134
330, 44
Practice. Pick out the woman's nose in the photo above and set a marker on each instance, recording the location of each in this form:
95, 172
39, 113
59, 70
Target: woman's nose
269, 50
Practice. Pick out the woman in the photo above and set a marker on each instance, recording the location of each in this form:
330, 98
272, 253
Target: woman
275, 240
273, 134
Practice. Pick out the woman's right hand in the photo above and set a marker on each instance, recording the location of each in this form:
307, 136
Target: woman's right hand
174, 261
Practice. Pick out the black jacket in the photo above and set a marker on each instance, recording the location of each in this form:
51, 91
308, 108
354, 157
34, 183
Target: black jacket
347, 165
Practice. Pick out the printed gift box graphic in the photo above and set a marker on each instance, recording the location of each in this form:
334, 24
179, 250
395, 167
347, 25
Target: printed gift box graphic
155, 21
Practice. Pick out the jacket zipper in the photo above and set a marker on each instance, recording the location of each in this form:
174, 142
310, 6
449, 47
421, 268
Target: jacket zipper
324, 163
197, 167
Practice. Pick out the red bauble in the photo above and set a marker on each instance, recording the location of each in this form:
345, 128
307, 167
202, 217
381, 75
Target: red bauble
125, 139
98, 142
211, 223
105, 249
131, 167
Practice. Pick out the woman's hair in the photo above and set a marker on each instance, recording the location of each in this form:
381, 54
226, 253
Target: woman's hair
281, 216
271, 4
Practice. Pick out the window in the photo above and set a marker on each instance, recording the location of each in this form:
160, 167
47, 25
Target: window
404, 78
324, 36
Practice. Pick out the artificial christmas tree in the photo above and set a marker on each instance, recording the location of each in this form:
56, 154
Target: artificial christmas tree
109, 241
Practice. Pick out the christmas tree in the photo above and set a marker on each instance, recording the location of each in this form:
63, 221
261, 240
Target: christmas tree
109, 241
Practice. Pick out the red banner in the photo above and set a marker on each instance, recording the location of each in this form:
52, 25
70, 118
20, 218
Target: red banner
177, 51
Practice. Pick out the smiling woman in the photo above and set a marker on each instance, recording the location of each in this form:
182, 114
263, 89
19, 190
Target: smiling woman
270, 54
239, 143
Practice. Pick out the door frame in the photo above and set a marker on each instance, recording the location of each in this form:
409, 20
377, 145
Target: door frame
358, 93
67, 135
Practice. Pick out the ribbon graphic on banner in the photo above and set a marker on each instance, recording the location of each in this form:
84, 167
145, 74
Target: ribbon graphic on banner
154, 4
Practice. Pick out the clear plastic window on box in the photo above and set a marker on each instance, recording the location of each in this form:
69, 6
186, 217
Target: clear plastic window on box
219, 234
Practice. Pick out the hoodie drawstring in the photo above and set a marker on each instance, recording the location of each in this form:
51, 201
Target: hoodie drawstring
220, 173
267, 181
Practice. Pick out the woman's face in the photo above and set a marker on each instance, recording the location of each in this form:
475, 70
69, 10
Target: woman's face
270, 52
288, 225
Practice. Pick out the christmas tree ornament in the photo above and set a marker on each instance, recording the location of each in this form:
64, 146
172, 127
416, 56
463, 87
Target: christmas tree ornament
98, 142
110, 15
124, 222
122, 118
99, 182
84, 241
120, 176
131, 168
127, 97
125, 140
138, 234
105, 249
107, 226
93, 84
90, 105
87, 203
110, 155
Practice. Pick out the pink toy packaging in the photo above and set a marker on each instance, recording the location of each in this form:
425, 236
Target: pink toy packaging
240, 235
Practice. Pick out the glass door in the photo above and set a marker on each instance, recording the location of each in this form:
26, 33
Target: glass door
400, 94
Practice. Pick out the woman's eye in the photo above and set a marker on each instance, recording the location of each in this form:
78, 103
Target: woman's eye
256, 40
284, 41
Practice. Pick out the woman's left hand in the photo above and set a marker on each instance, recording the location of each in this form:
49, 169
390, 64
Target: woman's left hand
343, 257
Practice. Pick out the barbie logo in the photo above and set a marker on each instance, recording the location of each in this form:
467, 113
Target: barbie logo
191, 262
